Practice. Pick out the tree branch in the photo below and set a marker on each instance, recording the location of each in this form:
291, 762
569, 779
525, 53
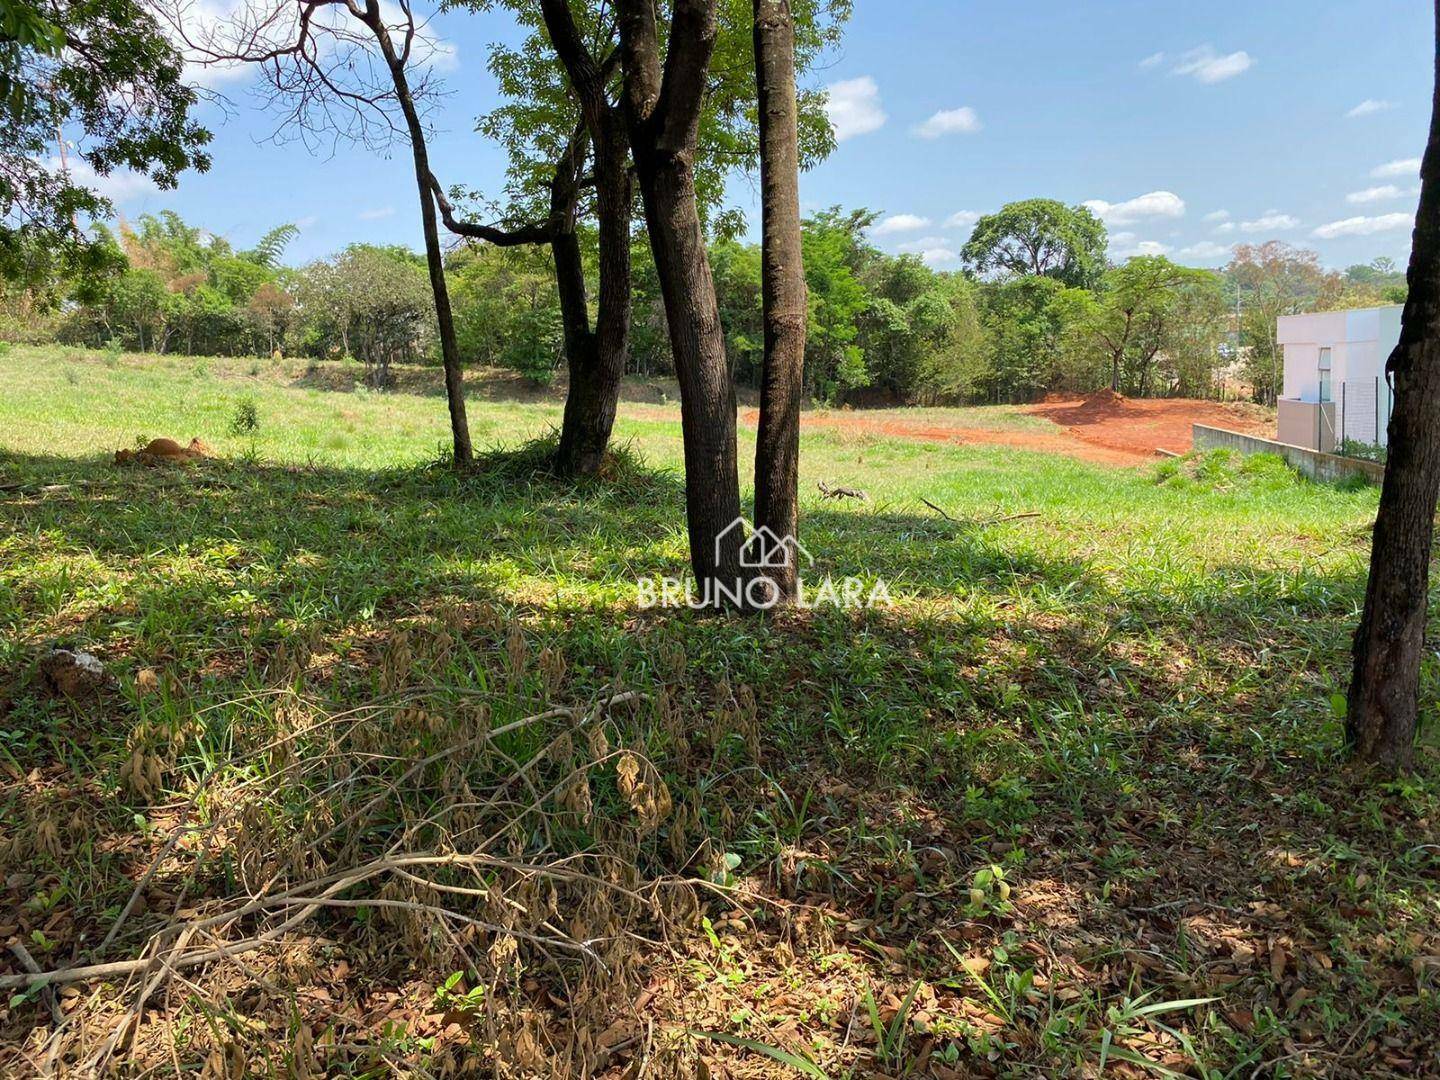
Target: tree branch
534, 233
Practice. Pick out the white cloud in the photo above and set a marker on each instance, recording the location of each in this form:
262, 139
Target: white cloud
1409, 166
853, 106
444, 56
1153, 60
939, 256
1144, 247
377, 213
914, 247
962, 219
119, 186
1207, 66
1379, 193
961, 121
1217, 215
1369, 106
1363, 226
1224, 227
1121, 239
1204, 251
933, 250
1270, 221
1153, 204
898, 223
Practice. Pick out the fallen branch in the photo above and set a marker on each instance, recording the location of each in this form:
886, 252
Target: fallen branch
841, 492
1011, 517
28, 963
980, 524
292, 906
937, 509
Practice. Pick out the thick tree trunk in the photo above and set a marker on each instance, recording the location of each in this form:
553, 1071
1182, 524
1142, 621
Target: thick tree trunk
1384, 689
434, 257
598, 364
662, 108
777, 447
707, 393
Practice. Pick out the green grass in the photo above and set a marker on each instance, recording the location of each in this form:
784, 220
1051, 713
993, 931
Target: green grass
982, 417
1094, 751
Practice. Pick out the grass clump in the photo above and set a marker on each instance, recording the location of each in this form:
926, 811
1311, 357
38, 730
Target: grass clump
1224, 469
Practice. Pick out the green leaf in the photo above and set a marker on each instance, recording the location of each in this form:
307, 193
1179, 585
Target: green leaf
803, 1065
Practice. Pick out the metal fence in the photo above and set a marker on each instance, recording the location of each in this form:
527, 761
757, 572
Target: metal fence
1364, 409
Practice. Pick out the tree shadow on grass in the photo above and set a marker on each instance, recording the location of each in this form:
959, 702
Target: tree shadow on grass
1146, 759
486, 384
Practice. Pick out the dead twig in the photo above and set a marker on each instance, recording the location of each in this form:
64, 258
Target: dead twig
48, 993
937, 509
841, 492
980, 523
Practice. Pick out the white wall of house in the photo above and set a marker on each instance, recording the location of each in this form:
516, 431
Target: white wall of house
1359, 342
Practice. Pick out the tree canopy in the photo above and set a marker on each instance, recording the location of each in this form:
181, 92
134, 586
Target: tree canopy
1040, 237
101, 74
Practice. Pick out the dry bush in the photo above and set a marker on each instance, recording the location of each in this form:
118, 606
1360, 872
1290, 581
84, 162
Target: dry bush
420, 841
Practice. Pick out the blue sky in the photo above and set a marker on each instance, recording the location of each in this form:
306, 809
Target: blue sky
1190, 127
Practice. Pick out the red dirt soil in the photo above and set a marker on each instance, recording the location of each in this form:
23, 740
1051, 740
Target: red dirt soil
1104, 428
1143, 426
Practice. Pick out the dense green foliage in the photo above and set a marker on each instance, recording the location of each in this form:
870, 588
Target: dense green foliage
106, 69
1042, 237
883, 328
538, 116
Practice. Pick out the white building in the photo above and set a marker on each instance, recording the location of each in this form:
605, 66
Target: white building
1335, 386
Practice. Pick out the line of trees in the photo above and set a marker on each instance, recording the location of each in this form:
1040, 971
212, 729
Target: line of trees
880, 327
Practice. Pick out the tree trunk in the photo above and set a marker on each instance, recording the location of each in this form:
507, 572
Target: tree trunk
707, 394
777, 446
1384, 688
434, 257
597, 364
662, 106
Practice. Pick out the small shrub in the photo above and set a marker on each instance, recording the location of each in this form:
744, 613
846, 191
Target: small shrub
245, 420
1364, 451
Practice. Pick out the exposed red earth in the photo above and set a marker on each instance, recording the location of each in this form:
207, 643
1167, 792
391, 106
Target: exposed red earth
1105, 428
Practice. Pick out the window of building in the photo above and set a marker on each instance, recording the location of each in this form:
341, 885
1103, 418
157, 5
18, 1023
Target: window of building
1325, 375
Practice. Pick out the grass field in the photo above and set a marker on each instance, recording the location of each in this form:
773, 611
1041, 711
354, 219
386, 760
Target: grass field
1073, 803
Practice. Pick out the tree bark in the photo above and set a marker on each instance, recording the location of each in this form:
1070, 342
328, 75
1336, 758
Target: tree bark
434, 257
783, 298
597, 368
662, 109
1383, 702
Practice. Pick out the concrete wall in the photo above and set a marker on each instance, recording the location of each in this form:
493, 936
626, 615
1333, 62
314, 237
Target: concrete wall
1306, 423
1360, 341
1327, 468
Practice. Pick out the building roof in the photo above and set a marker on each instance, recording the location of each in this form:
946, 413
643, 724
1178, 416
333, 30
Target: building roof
1350, 324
